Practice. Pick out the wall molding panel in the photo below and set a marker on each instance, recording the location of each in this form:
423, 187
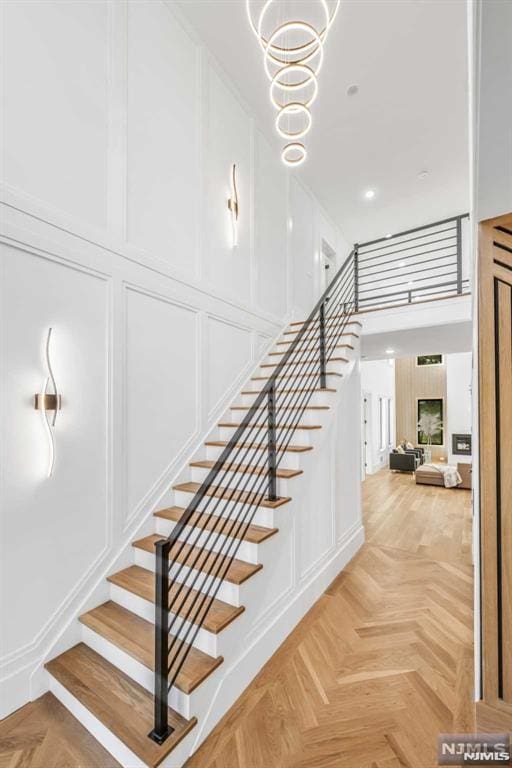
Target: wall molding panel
141, 210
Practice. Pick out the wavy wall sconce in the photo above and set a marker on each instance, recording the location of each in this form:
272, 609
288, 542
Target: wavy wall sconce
234, 206
48, 402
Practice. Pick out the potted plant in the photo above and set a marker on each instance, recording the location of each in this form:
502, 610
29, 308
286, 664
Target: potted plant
429, 424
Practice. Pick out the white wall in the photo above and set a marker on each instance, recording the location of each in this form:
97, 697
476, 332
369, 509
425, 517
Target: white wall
118, 136
492, 119
459, 374
378, 380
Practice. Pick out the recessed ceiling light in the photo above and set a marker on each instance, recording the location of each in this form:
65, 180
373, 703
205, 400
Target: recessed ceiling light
388, 236
352, 90
369, 194
411, 282
402, 264
390, 351
422, 175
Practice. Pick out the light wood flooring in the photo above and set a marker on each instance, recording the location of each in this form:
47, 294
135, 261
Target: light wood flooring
384, 660
381, 664
43, 734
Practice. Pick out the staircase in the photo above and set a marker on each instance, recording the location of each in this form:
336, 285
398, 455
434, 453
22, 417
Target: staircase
151, 656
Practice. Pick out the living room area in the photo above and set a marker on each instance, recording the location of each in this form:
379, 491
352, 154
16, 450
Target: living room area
417, 418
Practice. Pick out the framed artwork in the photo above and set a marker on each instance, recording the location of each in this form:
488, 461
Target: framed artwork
461, 445
430, 413
423, 360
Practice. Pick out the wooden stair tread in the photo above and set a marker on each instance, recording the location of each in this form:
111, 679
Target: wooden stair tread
291, 375
291, 448
141, 582
255, 533
328, 338
290, 391
136, 637
349, 322
311, 349
249, 469
238, 572
230, 494
295, 332
117, 701
331, 360
279, 424
285, 408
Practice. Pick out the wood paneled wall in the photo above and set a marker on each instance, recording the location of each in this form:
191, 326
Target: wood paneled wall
495, 407
413, 382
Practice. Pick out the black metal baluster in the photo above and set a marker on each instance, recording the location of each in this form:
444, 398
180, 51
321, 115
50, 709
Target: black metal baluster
356, 277
162, 728
272, 446
323, 378
459, 255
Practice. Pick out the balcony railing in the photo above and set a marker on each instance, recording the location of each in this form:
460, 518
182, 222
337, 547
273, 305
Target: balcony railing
422, 263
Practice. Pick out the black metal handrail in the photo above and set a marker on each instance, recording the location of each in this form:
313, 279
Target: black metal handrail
244, 475
419, 263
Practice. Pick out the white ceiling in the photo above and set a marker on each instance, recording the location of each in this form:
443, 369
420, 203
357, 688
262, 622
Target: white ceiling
429, 340
409, 59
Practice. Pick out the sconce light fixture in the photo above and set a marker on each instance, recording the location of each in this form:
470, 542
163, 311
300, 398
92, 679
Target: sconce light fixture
233, 206
46, 402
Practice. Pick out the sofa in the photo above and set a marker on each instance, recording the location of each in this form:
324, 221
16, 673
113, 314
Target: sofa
409, 461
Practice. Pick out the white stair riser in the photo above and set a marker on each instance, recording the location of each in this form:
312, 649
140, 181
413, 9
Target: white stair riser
179, 701
101, 733
243, 480
213, 540
205, 641
308, 416
258, 384
213, 644
300, 436
222, 508
317, 397
286, 340
289, 459
337, 366
230, 593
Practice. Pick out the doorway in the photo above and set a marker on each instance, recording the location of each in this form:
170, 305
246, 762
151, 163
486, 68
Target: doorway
327, 265
365, 418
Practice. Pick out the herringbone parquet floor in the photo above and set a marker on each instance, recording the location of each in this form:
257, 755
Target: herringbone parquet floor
379, 666
384, 660
43, 734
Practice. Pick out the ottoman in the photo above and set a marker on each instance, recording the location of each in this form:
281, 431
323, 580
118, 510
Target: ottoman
425, 475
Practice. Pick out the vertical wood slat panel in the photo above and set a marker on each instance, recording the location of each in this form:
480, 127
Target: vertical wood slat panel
487, 430
504, 351
495, 406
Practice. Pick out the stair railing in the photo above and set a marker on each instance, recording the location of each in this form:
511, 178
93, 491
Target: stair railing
192, 562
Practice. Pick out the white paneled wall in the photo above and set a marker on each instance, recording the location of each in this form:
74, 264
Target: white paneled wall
119, 132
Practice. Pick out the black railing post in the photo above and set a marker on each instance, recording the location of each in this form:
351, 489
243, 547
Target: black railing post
356, 277
459, 255
272, 443
323, 379
162, 728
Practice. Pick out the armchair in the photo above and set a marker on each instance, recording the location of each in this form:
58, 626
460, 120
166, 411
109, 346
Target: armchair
405, 462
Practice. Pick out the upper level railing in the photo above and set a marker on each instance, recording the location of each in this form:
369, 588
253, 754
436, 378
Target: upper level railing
197, 559
421, 263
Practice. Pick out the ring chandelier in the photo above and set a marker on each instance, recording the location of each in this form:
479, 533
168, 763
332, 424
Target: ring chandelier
293, 53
